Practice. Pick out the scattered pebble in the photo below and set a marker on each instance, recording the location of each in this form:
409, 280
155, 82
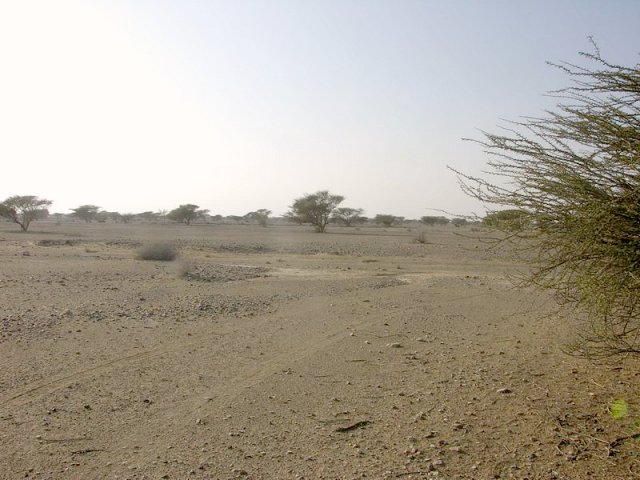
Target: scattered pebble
420, 416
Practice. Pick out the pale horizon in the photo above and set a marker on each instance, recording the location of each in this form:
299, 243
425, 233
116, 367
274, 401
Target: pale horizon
241, 105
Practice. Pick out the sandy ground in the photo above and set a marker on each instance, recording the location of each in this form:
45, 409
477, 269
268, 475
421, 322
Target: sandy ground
278, 353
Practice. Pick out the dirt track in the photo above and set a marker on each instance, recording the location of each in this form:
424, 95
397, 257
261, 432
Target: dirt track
288, 354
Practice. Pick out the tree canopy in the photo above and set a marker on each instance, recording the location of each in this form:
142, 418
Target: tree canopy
87, 213
315, 209
348, 216
186, 213
433, 220
261, 216
387, 220
24, 209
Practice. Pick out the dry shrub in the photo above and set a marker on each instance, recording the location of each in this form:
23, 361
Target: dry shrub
421, 238
163, 252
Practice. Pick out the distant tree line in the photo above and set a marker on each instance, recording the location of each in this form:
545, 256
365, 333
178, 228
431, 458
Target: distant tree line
318, 210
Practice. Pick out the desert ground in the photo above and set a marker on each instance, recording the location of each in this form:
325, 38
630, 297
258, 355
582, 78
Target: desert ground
279, 353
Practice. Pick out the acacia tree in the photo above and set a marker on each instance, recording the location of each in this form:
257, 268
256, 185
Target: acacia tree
348, 216
261, 216
127, 217
186, 213
576, 174
433, 220
315, 209
459, 221
24, 209
87, 213
387, 220
511, 219
147, 216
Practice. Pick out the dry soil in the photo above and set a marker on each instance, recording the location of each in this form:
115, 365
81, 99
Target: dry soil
278, 353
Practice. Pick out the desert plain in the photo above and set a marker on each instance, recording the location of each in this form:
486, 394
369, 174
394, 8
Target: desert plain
279, 353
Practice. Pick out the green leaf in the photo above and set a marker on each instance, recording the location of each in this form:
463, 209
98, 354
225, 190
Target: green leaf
619, 409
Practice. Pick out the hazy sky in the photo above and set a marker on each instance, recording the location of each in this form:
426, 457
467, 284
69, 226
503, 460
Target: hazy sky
238, 105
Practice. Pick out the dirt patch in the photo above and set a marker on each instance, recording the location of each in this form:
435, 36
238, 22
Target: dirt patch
387, 282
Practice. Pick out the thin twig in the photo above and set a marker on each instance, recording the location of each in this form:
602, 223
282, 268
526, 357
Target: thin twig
87, 450
353, 426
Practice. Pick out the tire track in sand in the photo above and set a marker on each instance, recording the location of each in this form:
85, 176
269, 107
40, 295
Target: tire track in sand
33, 392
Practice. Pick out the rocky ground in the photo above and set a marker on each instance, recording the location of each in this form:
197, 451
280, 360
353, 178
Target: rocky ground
279, 353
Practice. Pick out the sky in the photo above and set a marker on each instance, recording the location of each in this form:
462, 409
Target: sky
237, 105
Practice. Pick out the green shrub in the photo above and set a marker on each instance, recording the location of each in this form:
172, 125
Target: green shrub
569, 186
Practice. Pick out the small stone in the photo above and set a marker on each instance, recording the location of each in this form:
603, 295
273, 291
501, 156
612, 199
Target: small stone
394, 345
504, 390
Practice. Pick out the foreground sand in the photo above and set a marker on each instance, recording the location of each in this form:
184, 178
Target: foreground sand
287, 354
